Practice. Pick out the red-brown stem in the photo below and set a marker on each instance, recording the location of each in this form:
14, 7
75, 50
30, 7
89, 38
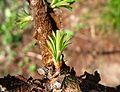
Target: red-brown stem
43, 24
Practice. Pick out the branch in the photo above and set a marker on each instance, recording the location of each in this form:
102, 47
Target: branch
43, 24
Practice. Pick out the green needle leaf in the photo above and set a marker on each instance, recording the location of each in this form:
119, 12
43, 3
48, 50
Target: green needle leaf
57, 44
62, 3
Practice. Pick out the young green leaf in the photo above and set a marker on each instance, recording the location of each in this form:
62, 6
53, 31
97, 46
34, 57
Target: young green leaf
23, 19
62, 3
57, 44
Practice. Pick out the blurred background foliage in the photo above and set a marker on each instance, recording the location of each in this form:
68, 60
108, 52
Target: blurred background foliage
111, 14
11, 34
89, 20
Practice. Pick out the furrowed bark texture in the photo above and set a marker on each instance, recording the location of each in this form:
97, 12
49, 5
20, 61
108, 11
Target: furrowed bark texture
43, 25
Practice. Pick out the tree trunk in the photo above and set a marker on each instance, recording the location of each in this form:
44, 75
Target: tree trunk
44, 23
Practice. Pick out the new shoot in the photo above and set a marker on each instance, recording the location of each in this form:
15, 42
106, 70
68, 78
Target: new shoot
56, 44
62, 3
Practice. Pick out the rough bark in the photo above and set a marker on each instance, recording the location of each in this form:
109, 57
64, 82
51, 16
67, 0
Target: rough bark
44, 22
70, 83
